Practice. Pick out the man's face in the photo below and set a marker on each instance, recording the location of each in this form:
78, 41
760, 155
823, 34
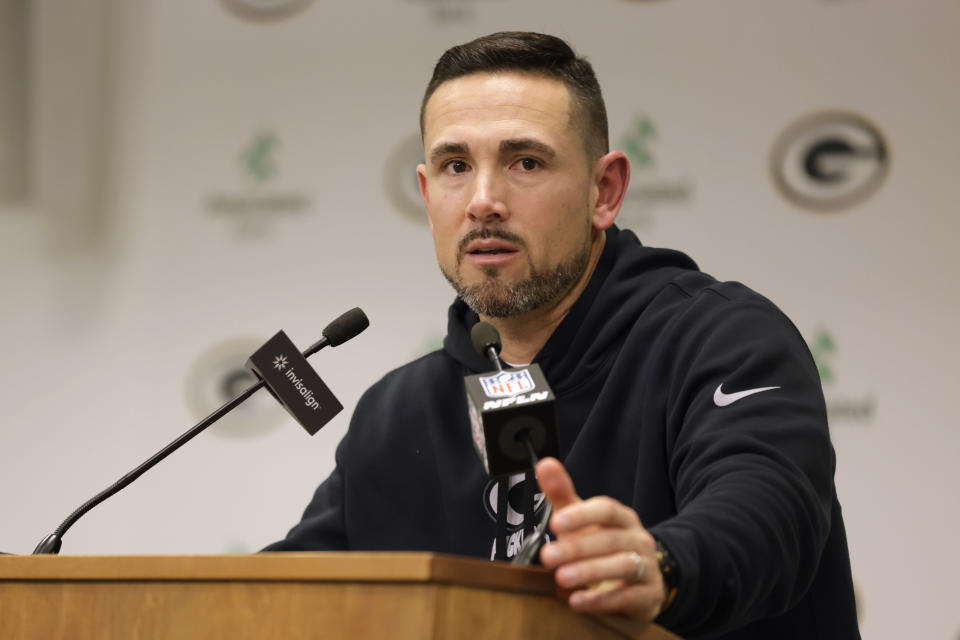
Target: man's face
508, 189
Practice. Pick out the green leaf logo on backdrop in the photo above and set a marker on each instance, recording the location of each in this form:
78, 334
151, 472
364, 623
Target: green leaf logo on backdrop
649, 190
257, 157
636, 143
823, 347
843, 406
260, 197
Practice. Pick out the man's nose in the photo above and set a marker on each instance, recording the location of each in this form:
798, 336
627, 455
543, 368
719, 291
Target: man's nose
488, 203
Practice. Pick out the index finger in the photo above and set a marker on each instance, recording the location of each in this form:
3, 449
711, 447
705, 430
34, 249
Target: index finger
601, 511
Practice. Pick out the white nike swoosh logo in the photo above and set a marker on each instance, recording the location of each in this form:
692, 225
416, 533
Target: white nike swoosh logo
722, 399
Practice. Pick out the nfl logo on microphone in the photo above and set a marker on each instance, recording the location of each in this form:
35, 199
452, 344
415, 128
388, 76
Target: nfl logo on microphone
507, 383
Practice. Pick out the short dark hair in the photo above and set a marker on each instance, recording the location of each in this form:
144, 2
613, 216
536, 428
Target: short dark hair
537, 54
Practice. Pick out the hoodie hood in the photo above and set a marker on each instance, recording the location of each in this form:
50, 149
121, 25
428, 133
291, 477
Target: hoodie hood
617, 293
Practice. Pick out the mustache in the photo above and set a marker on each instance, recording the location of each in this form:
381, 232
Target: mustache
486, 233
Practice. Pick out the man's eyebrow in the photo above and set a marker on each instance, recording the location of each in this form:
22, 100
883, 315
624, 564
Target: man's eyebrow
527, 144
448, 148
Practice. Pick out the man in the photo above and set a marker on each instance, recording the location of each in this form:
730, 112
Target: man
690, 414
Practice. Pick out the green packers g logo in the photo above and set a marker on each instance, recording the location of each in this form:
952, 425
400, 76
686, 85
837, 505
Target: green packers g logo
830, 161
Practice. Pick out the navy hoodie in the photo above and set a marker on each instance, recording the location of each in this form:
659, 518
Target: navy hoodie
645, 367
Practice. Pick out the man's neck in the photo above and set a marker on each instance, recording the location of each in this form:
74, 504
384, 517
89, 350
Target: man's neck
523, 336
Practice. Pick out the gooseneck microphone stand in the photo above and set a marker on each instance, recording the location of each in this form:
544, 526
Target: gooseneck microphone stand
340, 330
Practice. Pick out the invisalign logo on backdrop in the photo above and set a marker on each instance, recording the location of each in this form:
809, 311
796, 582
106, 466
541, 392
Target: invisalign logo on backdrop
829, 161
280, 362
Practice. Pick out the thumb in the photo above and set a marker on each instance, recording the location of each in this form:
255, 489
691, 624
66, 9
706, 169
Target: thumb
555, 483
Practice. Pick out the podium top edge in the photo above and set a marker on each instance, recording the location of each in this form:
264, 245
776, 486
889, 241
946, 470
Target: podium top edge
316, 567
283, 566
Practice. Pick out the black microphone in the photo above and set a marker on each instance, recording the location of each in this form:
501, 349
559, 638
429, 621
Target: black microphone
347, 326
337, 332
486, 342
292, 381
512, 411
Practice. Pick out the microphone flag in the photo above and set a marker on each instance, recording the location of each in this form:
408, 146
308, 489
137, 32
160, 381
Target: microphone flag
293, 382
505, 408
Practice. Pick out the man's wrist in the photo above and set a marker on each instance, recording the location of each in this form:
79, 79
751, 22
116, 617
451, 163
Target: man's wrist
670, 573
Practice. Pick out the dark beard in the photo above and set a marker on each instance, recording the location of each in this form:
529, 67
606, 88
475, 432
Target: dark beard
494, 299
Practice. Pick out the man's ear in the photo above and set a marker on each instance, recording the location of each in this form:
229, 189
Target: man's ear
611, 176
422, 182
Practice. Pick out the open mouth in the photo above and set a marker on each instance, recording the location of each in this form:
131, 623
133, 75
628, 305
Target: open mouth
490, 252
490, 247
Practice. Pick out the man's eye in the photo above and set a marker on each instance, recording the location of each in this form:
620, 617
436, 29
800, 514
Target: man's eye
455, 166
529, 164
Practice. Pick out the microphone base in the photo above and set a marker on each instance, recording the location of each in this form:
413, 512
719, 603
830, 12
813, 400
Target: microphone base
49, 545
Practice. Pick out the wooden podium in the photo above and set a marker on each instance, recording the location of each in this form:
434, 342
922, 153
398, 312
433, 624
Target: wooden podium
289, 596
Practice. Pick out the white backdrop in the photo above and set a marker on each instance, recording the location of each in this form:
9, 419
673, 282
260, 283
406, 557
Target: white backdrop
203, 178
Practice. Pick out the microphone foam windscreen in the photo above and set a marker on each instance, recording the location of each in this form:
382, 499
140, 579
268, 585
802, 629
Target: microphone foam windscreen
484, 335
346, 326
